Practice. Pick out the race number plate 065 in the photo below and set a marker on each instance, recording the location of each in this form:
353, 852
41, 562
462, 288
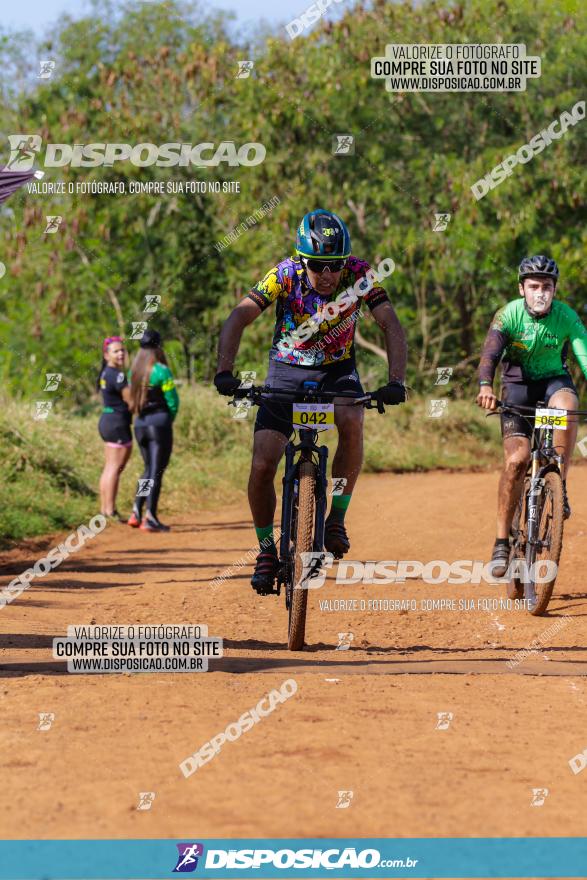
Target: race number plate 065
551, 418
319, 416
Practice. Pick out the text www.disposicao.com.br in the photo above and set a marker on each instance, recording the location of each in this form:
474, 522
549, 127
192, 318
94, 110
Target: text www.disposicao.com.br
136, 664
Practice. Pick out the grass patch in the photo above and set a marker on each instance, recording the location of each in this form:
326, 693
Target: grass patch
52, 467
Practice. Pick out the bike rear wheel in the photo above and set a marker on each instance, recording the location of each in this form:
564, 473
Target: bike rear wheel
550, 534
303, 542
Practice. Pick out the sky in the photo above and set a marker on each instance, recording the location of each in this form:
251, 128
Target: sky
37, 14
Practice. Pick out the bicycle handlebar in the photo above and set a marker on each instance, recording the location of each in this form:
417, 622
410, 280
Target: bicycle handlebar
257, 393
516, 407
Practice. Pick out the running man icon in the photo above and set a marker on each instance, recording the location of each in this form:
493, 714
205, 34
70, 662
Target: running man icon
187, 860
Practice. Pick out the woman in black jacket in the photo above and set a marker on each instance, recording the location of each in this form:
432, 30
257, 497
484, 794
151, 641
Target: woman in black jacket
115, 422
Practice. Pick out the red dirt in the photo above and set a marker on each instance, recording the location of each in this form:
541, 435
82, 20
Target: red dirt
371, 730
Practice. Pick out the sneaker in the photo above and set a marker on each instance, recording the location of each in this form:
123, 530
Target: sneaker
150, 523
500, 558
336, 539
133, 521
266, 568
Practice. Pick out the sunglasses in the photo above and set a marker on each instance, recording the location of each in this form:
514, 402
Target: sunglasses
320, 265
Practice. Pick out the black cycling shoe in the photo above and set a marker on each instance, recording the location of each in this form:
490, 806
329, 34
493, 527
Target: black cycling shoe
266, 568
566, 505
336, 539
500, 558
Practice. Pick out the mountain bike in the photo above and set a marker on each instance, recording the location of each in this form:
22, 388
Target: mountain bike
304, 500
537, 527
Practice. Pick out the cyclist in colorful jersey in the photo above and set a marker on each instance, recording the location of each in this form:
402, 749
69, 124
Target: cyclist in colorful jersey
313, 340
115, 422
155, 402
532, 335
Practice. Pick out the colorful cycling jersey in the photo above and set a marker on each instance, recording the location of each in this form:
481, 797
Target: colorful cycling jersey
112, 381
161, 394
532, 348
288, 285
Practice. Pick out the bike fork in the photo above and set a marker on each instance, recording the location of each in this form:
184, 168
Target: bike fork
320, 516
533, 506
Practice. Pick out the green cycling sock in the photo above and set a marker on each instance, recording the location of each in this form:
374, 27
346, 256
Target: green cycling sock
339, 507
265, 536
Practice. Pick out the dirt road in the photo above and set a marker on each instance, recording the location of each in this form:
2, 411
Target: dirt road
364, 720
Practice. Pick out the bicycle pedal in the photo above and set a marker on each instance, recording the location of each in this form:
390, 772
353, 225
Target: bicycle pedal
267, 591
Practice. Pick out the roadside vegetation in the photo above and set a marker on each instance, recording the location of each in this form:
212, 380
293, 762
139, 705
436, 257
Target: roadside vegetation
52, 466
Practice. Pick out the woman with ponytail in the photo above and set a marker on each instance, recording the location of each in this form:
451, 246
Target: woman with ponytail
154, 403
115, 422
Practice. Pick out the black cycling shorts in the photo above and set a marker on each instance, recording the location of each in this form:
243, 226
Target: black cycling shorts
278, 415
529, 394
114, 429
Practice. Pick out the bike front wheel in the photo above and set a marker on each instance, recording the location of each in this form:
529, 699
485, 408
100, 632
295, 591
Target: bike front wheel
303, 543
550, 540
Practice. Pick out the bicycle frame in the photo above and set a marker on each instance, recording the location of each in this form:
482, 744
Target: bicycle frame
544, 459
543, 450
307, 449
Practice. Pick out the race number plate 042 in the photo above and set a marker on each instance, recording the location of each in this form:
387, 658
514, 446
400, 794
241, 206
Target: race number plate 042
319, 416
551, 418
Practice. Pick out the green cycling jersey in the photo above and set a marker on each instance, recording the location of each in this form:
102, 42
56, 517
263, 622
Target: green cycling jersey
532, 348
161, 392
161, 378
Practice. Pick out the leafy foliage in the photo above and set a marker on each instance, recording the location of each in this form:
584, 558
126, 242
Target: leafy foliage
166, 72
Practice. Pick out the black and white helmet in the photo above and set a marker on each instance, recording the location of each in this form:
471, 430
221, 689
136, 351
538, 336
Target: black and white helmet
539, 265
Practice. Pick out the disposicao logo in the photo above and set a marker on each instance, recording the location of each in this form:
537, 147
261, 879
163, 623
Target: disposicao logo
25, 148
526, 152
187, 860
327, 859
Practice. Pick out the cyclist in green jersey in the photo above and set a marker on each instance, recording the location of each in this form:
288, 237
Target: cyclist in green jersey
532, 335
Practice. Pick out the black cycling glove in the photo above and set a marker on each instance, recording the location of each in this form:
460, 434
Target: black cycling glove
226, 383
392, 394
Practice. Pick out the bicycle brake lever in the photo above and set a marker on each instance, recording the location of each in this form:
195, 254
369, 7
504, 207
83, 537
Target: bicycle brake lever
373, 403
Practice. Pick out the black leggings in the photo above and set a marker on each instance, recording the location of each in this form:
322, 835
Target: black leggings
154, 435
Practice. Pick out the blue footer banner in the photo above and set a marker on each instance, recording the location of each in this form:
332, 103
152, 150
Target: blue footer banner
340, 858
